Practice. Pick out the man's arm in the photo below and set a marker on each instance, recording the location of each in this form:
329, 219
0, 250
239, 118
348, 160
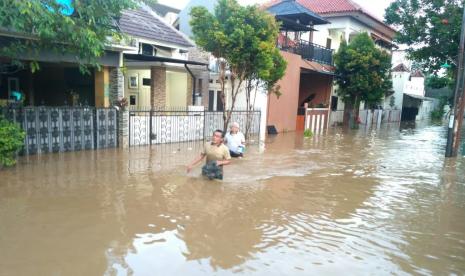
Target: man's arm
195, 162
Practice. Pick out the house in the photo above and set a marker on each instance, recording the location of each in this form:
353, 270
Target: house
307, 84
158, 73
346, 19
150, 68
409, 94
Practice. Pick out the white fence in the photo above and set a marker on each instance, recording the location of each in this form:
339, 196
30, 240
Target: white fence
368, 116
173, 126
316, 119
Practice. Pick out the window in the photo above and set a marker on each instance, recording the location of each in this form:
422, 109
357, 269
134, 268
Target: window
133, 100
148, 50
146, 81
328, 43
133, 81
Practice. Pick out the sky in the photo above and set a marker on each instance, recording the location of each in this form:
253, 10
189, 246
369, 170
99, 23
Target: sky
375, 7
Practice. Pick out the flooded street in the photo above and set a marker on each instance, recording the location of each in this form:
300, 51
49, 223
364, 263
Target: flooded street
365, 202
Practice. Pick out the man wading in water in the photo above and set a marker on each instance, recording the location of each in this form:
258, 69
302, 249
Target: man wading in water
217, 155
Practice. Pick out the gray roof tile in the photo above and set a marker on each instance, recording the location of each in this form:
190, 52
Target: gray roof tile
143, 24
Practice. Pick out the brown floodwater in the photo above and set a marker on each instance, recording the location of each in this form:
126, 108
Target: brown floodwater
365, 202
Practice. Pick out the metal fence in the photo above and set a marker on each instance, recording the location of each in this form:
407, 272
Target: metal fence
59, 129
173, 125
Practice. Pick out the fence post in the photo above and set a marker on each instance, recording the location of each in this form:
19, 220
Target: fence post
150, 125
95, 127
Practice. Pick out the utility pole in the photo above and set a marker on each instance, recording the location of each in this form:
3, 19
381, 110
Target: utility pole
456, 116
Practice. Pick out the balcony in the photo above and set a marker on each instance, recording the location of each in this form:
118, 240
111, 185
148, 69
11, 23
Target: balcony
309, 51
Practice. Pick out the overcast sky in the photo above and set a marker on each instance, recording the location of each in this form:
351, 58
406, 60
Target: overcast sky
375, 7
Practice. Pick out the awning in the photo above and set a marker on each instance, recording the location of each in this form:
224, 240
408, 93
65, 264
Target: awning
311, 66
138, 58
418, 97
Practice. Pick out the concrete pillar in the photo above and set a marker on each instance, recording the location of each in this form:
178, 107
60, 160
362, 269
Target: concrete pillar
117, 93
102, 87
158, 86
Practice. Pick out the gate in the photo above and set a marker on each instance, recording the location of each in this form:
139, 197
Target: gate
174, 125
61, 129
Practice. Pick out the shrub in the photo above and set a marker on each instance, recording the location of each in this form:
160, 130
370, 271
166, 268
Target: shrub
308, 133
11, 141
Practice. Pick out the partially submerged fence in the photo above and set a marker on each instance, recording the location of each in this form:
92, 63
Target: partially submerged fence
368, 117
59, 129
173, 125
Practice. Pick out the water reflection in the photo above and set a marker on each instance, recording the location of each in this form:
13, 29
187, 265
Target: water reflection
369, 201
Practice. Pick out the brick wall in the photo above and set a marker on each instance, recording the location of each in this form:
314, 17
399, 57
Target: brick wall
158, 87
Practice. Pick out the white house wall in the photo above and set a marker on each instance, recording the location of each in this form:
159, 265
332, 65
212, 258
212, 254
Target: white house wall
142, 92
176, 88
415, 86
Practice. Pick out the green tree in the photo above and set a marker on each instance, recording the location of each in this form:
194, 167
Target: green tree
431, 29
362, 74
11, 141
243, 40
48, 25
437, 82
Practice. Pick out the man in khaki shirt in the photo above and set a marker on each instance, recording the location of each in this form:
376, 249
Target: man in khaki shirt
216, 152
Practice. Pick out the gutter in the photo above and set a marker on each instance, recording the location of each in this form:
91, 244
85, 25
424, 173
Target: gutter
193, 82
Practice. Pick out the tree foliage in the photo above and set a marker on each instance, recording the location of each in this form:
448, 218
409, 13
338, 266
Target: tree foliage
11, 140
243, 40
438, 82
362, 73
44, 25
431, 29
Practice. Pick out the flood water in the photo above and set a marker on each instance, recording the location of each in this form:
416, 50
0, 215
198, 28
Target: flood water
366, 202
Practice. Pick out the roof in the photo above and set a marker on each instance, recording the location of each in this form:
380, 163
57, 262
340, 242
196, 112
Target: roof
417, 74
419, 97
317, 67
163, 9
292, 9
330, 7
144, 23
138, 57
400, 68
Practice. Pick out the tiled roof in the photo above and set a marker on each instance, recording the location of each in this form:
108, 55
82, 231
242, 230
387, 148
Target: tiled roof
400, 68
330, 7
417, 74
143, 23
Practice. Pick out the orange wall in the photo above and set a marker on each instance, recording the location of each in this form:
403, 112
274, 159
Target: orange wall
317, 84
282, 112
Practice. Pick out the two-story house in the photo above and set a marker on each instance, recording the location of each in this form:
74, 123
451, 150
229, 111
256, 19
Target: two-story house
307, 84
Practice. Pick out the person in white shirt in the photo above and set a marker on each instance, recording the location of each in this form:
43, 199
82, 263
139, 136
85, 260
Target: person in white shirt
235, 141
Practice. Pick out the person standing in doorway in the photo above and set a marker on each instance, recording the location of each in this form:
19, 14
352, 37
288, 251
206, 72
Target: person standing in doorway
235, 141
217, 155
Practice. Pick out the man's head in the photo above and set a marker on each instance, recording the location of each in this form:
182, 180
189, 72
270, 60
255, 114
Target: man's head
234, 127
217, 137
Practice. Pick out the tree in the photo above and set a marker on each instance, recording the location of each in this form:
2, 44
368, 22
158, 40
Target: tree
392, 102
430, 28
362, 74
11, 141
80, 27
243, 40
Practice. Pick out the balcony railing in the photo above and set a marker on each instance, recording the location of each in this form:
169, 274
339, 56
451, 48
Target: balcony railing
310, 51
